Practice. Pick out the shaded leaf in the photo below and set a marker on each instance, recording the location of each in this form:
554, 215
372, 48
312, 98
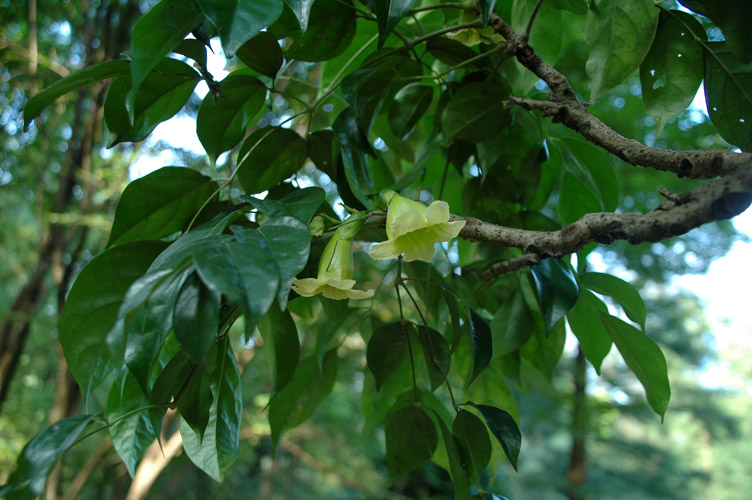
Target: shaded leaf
557, 290
482, 345
330, 30
473, 442
576, 200
302, 10
192, 49
587, 326
268, 156
238, 21
734, 17
301, 204
436, 354
388, 15
622, 292
460, 478
411, 440
196, 319
408, 107
262, 53
503, 426
281, 335
486, 9
475, 113
512, 325
387, 350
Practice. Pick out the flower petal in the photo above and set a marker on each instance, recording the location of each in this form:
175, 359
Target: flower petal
307, 287
437, 212
384, 250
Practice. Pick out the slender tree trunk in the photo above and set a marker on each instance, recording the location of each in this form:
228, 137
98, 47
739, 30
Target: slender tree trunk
577, 465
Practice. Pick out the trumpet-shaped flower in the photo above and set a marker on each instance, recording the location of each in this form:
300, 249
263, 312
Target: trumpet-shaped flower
336, 267
413, 228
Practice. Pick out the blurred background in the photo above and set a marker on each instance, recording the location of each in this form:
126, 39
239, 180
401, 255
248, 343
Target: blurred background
59, 186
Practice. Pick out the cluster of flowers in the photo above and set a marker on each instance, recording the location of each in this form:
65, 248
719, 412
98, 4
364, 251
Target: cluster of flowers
412, 229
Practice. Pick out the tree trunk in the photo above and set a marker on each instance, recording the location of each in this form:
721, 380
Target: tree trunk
577, 466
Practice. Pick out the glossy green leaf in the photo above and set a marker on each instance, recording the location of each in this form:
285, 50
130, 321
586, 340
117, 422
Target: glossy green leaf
133, 434
92, 306
155, 35
161, 95
436, 353
217, 451
302, 10
387, 350
160, 204
512, 325
262, 53
557, 290
281, 336
357, 173
194, 401
460, 479
40, 455
411, 440
576, 200
473, 442
244, 271
728, 95
102, 71
222, 123
268, 156
486, 9
475, 113
309, 386
330, 30
238, 21
622, 292
482, 345
734, 17
350, 134
169, 383
192, 49
388, 15
673, 68
301, 204
587, 326
195, 319
408, 107
619, 34
643, 356
503, 426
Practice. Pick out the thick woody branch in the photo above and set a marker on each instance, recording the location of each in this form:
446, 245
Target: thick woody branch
693, 164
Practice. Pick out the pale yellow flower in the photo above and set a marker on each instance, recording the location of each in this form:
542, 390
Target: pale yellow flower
413, 228
336, 267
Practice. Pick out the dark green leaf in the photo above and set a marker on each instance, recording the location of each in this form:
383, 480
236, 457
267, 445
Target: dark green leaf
281, 336
594, 164
475, 113
336, 312
474, 443
308, 387
301, 204
619, 35
155, 35
192, 49
734, 17
358, 175
503, 426
436, 354
576, 6
194, 401
109, 69
289, 242
643, 356
221, 125
320, 150
388, 15
408, 107
411, 439
547, 32
160, 204
672, 70
262, 53
302, 10
544, 351
482, 345
195, 319
238, 21
587, 326
40, 454
216, 452
486, 9
268, 156
622, 292
576, 200
460, 478
512, 325
92, 306
330, 30
387, 350
163, 93
557, 290
349, 132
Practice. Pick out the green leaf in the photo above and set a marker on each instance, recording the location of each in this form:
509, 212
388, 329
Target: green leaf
109, 69
486, 9
576, 200
734, 17
475, 113
244, 271
221, 125
388, 15
460, 478
194, 401
474, 443
544, 351
301, 204
503, 426
547, 34
336, 312
192, 49
619, 34
92, 306
411, 440
133, 434
728, 95
163, 93
622, 292
302, 10
594, 165
350, 134
512, 325
587, 326
482, 345
557, 290
387, 350
40, 454
408, 107
155, 35
195, 319
262, 53
356, 171
281, 335
330, 30
268, 156
217, 451
436, 354
643, 356
238, 21
673, 68
308, 387
577, 6
160, 204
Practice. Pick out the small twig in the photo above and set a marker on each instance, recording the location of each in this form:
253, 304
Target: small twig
532, 19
